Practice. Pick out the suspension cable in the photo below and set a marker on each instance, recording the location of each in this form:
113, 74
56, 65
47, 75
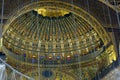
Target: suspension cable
117, 12
2, 12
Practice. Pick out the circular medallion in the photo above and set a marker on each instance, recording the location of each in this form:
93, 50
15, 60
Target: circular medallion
47, 73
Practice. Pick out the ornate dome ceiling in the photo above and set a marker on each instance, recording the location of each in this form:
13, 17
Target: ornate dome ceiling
55, 34
60, 33
66, 35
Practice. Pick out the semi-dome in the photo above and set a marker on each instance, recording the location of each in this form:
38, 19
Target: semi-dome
58, 37
46, 36
57, 34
